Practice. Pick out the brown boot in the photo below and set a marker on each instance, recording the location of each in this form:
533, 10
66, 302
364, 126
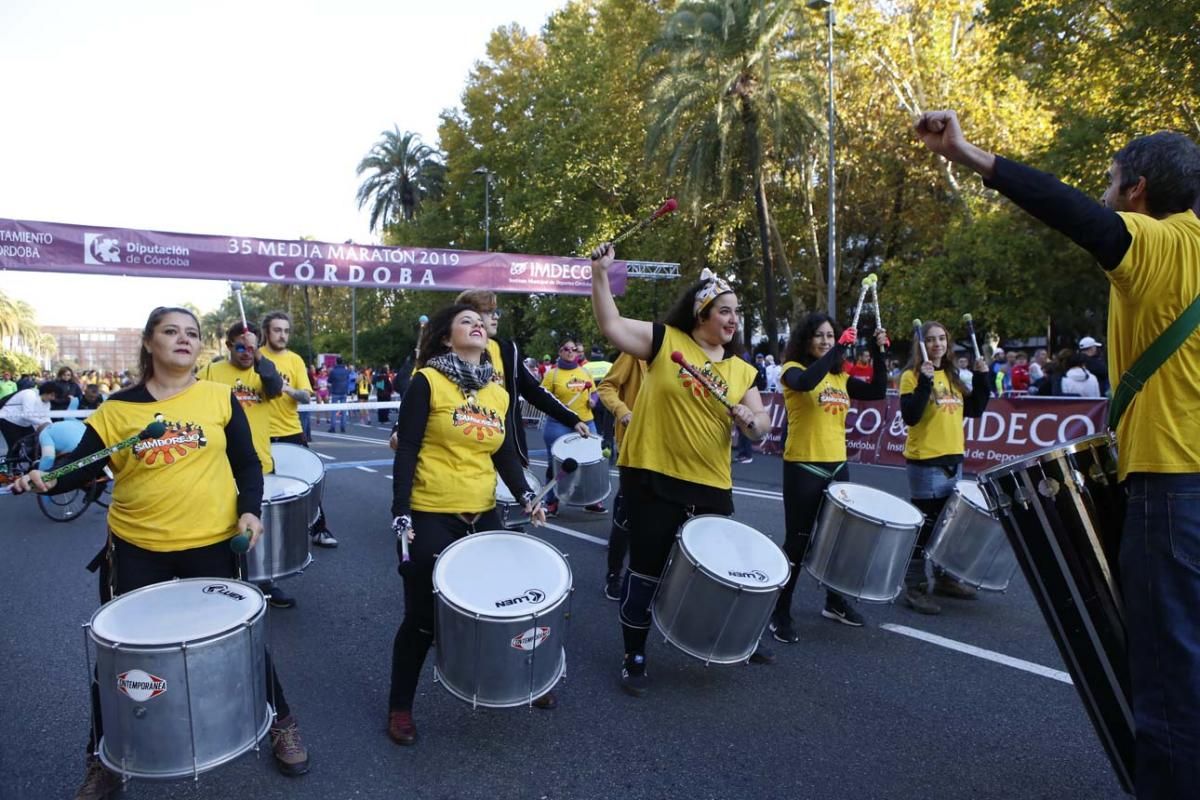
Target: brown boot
547, 702
99, 782
291, 756
401, 729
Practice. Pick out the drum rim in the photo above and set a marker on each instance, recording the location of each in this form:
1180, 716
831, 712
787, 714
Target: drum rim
576, 436
861, 515
308, 454
441, 597
278, 499
116, 644
722, 579
1061, 449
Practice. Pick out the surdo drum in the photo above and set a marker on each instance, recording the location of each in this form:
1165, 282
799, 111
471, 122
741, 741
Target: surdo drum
590, 482
502, 605
512, 514
295, 461
283, 548
718, 589
181, 667
862, 542
969, 543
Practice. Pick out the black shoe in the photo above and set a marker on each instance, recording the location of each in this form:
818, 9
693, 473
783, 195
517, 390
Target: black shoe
279, 598
782, 629
762, 655
920, 602
547, 702
552, 508
612, 586
633, 675
838, 610
596, 508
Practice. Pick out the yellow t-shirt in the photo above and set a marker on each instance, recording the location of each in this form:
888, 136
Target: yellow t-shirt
248, 389
571, 387
677, 428
816, 419
493, 351
284, 419
455, 473
1158, 278
940, 431
176, 492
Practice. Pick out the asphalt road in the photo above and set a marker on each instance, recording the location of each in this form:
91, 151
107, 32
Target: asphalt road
845, 713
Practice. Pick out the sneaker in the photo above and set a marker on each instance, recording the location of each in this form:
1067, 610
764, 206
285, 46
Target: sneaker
745, 460
291, 756
99, 782
948, 586
401, 729
783, 630
324, 539
596, 508
612, 586
547, 702
279, 598
838, 610
762, 655
920, 602
633, 675
552, 508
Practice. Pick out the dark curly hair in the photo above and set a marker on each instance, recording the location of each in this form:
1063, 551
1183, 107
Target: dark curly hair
680, 315
802, 334
437, 330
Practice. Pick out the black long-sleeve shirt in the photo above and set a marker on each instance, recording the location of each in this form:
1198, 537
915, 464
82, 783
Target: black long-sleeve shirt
805, 380
410, 432
272, 381
912, 405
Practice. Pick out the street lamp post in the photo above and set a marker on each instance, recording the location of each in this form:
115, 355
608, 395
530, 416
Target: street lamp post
487, 206
831, 283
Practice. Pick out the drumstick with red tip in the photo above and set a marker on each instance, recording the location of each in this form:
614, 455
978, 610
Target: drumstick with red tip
712, 388
152, 431
666, 208
580, 394
920, 340
569, 465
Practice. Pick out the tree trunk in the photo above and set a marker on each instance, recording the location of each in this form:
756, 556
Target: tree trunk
754, 153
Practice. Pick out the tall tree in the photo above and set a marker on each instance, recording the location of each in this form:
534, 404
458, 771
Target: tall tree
404, 172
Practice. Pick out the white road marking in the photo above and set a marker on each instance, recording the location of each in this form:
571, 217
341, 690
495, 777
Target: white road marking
979, 652
327, 458
349, 438
367, 469
577, 534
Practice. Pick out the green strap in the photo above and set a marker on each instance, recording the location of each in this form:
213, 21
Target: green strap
1155, 355
820, 473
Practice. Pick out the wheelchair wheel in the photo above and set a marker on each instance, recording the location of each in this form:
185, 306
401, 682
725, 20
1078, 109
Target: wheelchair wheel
64, 507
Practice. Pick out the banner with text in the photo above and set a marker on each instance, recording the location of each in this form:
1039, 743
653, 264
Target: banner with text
1010, 429
56, 247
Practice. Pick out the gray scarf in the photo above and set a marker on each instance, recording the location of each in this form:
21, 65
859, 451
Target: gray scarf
469, 377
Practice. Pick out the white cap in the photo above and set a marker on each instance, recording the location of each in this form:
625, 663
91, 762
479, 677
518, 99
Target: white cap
1087, 342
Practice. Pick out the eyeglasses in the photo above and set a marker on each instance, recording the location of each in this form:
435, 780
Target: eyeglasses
495, 313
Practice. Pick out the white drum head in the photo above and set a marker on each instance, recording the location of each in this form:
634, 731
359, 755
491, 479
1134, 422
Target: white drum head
734, 551
970, 491
177, 611
501, 574
297, 462
584, 450
503, 495
278, 488
874, 504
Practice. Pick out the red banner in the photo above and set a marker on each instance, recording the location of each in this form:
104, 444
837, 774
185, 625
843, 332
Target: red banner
1008, 430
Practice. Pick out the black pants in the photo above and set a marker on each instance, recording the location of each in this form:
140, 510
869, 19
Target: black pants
131, 567
434, 532
653, 522
803, 494
385, 414
931, 509
298, 438
618, 535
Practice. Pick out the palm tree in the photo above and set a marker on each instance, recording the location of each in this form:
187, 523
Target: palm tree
404, 173
18, 324
713, 105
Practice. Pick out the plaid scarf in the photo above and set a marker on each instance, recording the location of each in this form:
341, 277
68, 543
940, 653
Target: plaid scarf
469, 377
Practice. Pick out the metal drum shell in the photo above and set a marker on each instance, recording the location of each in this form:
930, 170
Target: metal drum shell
742, 611
214, 685
859, 555
969, 543
477, 660
512, 515
297, 461
283, 550
591, 482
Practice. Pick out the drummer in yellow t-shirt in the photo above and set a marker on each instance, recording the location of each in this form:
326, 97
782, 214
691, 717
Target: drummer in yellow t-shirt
571, 385
675, 457
933, 402
817, 390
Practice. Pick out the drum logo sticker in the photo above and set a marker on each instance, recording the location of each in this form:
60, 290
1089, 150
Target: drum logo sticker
754, 574
178, 440
530, 639
223, 589
141, 686
484, 423
531, 596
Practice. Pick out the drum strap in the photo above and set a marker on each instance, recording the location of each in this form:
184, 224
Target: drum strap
470, 520
1149, 361
821, 473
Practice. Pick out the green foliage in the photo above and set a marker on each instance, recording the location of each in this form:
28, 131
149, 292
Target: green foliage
18, 363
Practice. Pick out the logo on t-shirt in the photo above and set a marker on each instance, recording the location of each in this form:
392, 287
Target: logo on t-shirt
246, 396
833, 400
484, 423
578, 385
709, 382
179, 440
946, 399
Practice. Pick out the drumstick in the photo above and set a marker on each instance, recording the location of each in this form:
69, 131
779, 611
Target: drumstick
878, 312
920, 340
678, 358
971, 330
241, 542
236, 287
568, 466
580, 394
666, 208
152, 431
867, 283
